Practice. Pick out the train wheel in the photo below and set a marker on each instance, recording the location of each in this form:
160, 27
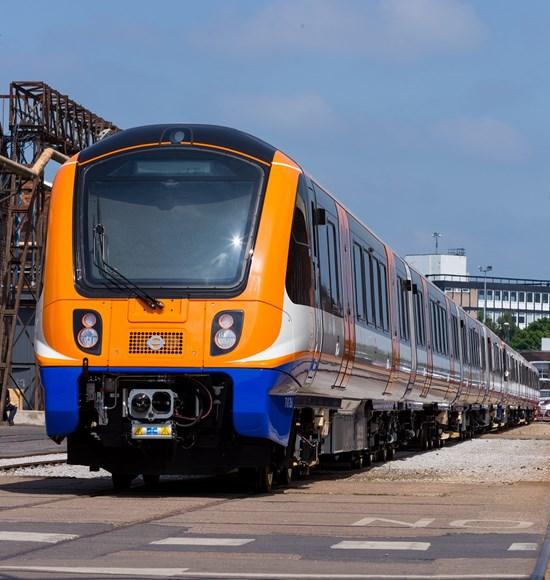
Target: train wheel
265, 480
424, 443
151, 480
122, 481
260, 479
285, 475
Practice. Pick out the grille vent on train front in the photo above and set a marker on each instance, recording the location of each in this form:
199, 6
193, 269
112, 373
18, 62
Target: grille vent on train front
152, 342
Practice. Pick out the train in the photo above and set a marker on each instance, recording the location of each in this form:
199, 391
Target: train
208, 307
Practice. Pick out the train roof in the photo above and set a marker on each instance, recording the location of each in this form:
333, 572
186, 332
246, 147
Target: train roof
181, 132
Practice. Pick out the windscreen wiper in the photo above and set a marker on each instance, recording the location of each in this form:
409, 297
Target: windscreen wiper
115, 276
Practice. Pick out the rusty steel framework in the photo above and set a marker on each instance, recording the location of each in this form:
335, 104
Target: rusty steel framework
37, 124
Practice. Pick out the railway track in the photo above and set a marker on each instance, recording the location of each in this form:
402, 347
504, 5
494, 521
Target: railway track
38, 459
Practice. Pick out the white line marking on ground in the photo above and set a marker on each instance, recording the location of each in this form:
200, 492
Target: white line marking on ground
422, 523
353, 545
522, 547
496, 524
184, 573
203, 541
35, 537
132, 572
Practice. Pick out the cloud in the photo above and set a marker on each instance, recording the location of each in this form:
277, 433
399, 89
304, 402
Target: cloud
289, 114
394, 29
483, 137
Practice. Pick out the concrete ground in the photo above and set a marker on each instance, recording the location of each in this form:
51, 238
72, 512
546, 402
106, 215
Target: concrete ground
337, 524
22, 439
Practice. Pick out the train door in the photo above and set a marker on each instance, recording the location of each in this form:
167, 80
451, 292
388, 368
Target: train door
417, 353
439, 345
455, 373
401, 326
418, 332
467, 378
347, 299
301, 283
424, 313
330, 289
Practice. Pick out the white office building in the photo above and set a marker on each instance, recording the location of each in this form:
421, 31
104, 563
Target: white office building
526, 300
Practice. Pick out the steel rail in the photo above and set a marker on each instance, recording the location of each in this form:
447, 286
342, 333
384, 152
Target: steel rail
32, 461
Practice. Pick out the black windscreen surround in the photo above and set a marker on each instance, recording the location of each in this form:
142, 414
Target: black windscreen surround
169, 218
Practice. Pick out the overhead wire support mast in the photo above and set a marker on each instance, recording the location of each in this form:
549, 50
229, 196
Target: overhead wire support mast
37, 125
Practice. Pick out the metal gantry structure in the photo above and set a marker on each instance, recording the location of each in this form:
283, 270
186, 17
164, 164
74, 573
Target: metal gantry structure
37, 124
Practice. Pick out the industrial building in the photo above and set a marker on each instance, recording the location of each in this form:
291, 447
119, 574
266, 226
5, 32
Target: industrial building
526, 300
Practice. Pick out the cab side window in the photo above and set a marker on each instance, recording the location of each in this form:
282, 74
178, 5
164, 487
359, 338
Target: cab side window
299, 279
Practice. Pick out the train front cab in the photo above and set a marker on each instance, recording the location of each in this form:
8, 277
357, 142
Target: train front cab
206, 382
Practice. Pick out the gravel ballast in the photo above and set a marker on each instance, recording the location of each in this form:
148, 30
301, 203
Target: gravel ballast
496, 458
479, 460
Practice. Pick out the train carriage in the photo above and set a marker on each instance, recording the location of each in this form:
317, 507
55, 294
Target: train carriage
208, 306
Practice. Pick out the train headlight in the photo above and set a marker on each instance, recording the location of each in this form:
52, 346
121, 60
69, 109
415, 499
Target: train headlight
141, 403
88, 338
226, 320
151, 404
225, 339
87, 328
226, 331
89, 320
162, 402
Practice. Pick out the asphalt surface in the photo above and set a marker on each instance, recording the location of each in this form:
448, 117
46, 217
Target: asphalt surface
334, 525
20, 440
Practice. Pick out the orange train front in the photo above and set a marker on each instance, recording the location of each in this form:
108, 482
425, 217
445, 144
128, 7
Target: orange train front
207, 306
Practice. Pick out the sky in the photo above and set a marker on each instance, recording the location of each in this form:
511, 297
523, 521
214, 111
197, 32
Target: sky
418, 115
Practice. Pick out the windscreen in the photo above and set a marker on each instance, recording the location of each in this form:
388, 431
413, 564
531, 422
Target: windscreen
169, 218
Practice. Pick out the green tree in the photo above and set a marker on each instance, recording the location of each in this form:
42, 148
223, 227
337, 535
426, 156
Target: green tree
530, 338
488, 321
505, 327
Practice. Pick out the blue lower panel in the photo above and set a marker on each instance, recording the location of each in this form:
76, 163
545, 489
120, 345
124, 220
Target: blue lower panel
256, 412
61, 389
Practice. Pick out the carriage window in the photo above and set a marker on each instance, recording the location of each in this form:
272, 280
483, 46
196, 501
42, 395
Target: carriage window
445, 331
440, 328
435, 336
419, 318
359, 282
369, 288
454, 324
299, 279
403, 312
324, 269
328, 263
334, 270
465, 351
383, 296
375, 293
